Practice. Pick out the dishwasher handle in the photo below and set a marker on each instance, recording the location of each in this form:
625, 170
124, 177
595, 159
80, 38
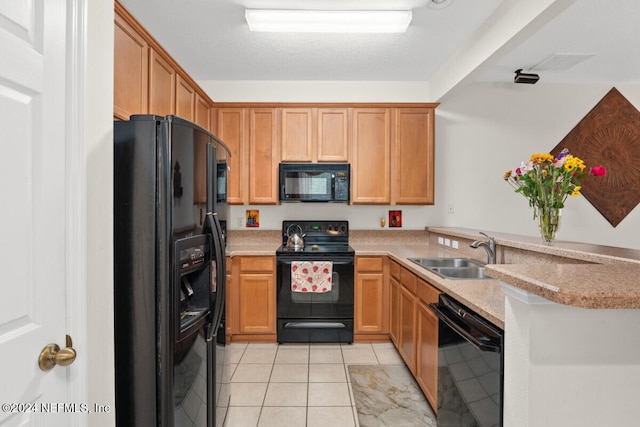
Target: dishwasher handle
483, 346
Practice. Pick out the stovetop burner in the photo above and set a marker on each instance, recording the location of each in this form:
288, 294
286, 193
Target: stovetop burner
320, 237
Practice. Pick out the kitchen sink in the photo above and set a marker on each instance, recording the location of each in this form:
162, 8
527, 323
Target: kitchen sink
453, 268
460, 272
446, 262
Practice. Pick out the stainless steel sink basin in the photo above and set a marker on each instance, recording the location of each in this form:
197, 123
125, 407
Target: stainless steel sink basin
460, 272
446, 262
453, 268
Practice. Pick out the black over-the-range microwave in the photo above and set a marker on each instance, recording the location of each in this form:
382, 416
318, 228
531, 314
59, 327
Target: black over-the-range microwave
314, 182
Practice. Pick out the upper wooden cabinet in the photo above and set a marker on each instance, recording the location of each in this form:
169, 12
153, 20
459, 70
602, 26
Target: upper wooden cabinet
297, 133
315, 135
131, 70
333, 135
413, 150
230, 128
185, 99
263, 156
390, 148
147, 80
202, 112
162, 85
251, 135
371, 165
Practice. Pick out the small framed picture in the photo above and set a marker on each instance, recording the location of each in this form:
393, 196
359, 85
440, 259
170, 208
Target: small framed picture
253, 218
395, 218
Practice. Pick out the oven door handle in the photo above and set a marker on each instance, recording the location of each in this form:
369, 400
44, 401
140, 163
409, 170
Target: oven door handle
483, 346
334, 260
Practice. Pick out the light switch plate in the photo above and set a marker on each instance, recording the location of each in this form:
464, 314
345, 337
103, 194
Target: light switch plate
447, 242
441, 240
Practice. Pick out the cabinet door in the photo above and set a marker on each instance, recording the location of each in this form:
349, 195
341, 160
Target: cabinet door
257, 303
394, 316
263, 156
296, 138
185, 99
427, 353
369, 298
162, 85
131, 71
371, 156
202, 112
407, 332
231, 130
333, 135
413, 156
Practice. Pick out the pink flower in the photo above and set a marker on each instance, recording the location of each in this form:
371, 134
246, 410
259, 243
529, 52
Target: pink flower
598, 171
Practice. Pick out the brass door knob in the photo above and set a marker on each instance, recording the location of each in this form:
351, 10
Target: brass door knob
52, 355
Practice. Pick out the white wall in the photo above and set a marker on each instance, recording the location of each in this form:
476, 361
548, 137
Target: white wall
487, 129
481, 131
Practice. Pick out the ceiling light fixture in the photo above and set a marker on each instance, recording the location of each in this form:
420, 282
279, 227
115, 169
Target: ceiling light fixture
525, 77
328, 21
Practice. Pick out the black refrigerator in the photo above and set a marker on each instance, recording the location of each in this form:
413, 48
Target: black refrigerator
170, 216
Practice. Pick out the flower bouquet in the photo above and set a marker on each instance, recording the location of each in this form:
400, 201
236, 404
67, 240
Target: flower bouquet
547, 181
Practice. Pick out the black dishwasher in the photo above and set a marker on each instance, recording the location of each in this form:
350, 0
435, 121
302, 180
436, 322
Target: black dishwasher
470, 367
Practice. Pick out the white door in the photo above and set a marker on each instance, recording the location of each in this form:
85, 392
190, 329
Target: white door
35, 177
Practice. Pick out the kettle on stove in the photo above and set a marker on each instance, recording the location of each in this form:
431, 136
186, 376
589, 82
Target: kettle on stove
295, 238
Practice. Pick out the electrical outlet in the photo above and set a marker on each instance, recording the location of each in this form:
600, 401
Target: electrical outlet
447, 242
454, 244
441, 240
240, 222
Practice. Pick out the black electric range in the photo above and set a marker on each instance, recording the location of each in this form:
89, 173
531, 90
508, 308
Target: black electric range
316, 317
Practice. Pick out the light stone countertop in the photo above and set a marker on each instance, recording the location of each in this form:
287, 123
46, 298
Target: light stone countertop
586, 276
485, 296
591, 276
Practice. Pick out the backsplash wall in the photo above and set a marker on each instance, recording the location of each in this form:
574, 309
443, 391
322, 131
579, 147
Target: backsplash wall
359, 217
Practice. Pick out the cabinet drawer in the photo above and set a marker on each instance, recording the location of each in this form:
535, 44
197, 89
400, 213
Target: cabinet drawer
426, 292
369, 264
408, 279
256, 263
394, 268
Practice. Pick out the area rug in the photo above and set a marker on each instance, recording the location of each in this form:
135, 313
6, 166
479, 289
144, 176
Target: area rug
387, 395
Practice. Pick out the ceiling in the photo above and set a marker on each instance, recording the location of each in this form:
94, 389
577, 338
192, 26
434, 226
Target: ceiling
469, 40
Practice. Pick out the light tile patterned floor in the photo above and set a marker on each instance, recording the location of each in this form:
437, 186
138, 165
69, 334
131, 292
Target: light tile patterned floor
297, 385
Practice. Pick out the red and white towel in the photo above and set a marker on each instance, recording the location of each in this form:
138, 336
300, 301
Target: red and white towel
311, 276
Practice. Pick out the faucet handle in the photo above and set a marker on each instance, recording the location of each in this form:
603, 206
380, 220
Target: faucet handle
485, 234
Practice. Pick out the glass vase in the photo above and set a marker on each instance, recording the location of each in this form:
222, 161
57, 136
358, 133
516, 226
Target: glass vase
548, 221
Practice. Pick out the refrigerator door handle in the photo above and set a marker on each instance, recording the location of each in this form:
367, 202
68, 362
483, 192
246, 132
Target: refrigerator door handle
212, 227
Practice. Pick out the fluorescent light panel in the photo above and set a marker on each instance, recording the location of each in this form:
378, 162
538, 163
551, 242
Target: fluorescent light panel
328, 21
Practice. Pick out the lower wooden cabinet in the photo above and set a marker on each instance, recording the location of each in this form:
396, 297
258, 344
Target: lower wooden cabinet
394, 300
371, 306
253, 297
427, 353
414, 328
407, 328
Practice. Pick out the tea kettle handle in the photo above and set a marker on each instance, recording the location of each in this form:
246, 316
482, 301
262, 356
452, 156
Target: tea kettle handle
290, 230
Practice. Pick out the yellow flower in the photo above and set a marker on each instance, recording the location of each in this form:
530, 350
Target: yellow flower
507, 174
576, 191
540, 158
572, 163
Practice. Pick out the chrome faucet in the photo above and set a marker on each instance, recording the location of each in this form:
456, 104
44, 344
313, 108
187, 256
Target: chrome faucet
489, 246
